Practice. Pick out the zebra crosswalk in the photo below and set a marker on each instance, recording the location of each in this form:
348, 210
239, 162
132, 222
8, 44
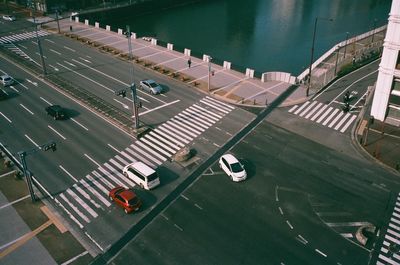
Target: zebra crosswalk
325, 115
389, 252
22, 36
89, 196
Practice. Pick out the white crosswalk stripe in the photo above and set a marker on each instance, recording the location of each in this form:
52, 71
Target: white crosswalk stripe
22, 36
388, 252
324, 115
87, 198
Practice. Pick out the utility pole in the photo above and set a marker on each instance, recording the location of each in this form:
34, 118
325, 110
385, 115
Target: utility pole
133, 86
209, 72
38, 40
58, 22
27, 175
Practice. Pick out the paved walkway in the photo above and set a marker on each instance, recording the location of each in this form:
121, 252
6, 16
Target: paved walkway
227, 84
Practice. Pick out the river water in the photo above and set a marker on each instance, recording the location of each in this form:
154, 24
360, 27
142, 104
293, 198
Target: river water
265, 35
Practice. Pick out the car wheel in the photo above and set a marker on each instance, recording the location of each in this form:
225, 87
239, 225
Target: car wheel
126, 211
125, 174
111, 198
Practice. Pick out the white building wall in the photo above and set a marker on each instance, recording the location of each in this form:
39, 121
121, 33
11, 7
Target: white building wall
387, 66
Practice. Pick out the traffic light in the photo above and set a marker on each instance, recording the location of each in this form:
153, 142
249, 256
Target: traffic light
49, 146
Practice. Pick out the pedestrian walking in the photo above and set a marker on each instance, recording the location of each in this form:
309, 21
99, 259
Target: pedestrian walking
354, 60
189, 62
70, 28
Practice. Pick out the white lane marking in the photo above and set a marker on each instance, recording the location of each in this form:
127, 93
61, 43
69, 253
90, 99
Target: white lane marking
69, 213
149, 138
75, 258
151, 151
13, 88
313, 110
87, 196
79, 124
336, 119
293, 108
347, 235
15, 201
5, 117
94, 192
219, 108
32, 141
288, 223
347, 224
165, 134
143, 157
320, 252
32, 82
323, 115
46, 101
348, 123
177, 226
221, 103
303, 239
28, 110
59, 134
71, 64
122, 177
73, 207
183, 196
83, 59
102, 179
280, 210
307, 109
55, 68
91, 159
302, 107
114, 179
41, 186
56, 52
97, 83
122, 103
113, 78
115, 149
94, 241
49, 40
149, 143
159, 107
198, 206
153, 134
66, 172
68, 48
330, 116
97, 184
82, 203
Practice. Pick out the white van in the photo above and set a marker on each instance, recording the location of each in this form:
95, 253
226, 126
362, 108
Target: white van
142, 174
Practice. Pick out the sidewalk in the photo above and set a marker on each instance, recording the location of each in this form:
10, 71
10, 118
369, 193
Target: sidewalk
30, 233
225, 83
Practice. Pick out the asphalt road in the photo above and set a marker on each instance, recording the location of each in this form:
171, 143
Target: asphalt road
90, 152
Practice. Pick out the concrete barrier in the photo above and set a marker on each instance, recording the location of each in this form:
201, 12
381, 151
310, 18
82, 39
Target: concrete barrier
153, 41
108, 28
249, 73
87, 22
227, 65
96, 24
120, 32
77, 19
170, 46
278, 76
187, 52
206, 58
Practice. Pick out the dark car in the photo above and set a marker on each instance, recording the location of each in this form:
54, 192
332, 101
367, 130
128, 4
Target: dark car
56, 111
125, 198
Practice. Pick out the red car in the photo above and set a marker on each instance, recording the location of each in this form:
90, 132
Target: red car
125, 198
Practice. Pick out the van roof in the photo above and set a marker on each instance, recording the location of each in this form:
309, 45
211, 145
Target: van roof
142, 167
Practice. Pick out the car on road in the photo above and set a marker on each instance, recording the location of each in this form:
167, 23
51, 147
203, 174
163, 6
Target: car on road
150, 86
9, 18
56, 111
232, 167
6, 80
125, 198
142, 174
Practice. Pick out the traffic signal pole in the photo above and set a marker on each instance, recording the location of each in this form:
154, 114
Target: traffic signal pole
27, 175
135, 106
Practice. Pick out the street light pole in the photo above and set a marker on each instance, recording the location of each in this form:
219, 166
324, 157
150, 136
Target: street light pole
27, 175
38, 40
312, 52
373, 32
209, 71
345, 45
58, 22
133, 86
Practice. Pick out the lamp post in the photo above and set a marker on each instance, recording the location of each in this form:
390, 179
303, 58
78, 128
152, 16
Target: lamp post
38, 40
209, 71
345, 45
133, 86
373, 32
312, 52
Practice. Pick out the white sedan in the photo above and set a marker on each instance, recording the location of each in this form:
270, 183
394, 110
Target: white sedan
232, 167
8, 18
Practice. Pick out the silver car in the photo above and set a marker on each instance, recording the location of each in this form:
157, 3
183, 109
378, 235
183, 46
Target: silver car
150, 86
9, 18
6, 80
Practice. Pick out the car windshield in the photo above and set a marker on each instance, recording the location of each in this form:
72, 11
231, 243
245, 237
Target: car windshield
7, 79
152, 177
133, 201
236, 167
153, 84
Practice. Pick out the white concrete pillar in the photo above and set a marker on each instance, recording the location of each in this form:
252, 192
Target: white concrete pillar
86, 22
187, 52
227, 65
249, 72
108, 28
170, 46
96, 24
